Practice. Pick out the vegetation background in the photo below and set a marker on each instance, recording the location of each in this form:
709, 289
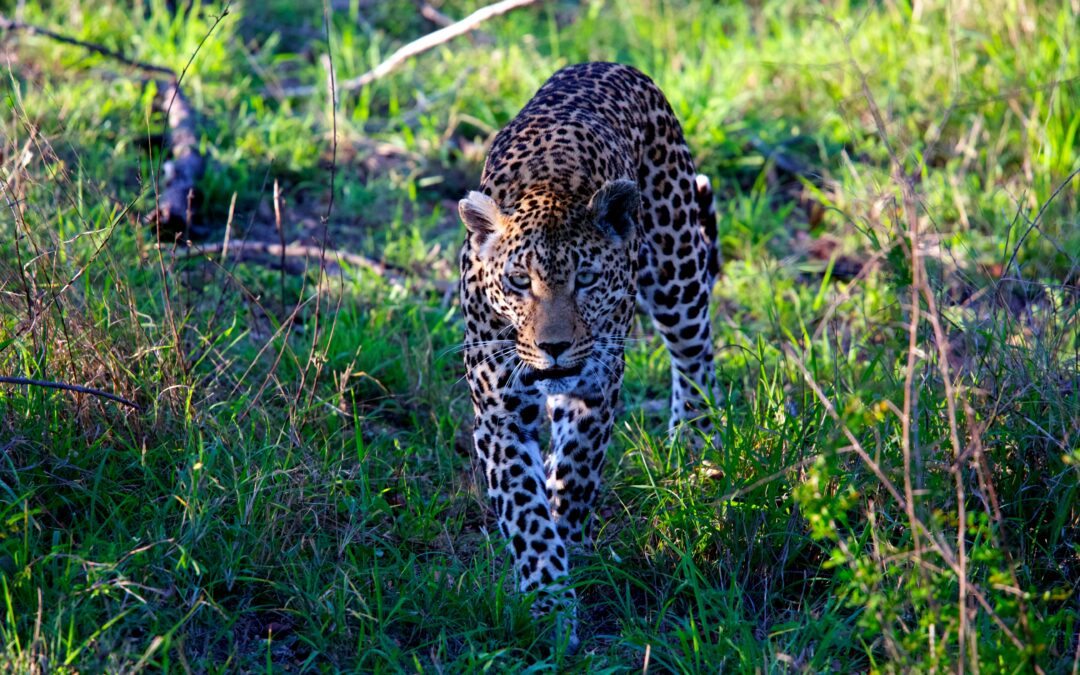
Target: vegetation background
897, 487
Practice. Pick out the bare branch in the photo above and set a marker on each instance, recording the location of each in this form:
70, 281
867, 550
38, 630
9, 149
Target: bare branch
435, 16
19, 26
244, 247
420, 46
48, 384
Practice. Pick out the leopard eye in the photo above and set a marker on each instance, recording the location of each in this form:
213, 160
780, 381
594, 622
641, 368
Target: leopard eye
519, 282
586, 279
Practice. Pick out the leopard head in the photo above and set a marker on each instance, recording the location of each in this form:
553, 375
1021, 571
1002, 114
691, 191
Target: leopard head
562, 275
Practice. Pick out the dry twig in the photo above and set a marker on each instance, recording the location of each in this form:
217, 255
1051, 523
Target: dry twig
248, 248
19, 26
420, 46
957, 559
435, 16
48, 384
938, 546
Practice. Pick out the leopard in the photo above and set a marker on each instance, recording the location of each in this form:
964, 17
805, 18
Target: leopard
589, 207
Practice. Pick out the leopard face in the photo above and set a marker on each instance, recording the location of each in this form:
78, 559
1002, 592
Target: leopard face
562, 276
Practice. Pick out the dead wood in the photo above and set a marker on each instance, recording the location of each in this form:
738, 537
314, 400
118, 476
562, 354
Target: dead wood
420, 46
248, 249
179, 175
48, 384
8, 24
435, 16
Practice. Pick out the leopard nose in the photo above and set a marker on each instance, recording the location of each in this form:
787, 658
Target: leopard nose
553, 348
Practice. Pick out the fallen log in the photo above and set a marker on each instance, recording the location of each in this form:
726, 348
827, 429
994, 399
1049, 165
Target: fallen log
177, 193
247, 249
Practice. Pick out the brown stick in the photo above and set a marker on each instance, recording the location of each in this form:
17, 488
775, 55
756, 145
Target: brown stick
244, 247
420, 46
69, 387
435, 16
8, 24
181, 173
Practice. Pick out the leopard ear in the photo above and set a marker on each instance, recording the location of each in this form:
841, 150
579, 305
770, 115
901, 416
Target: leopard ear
615, 208
481, 215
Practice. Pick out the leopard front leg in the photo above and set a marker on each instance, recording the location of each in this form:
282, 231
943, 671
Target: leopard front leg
506, 438
580, 431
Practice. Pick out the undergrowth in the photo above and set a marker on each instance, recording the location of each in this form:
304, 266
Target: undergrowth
896, 484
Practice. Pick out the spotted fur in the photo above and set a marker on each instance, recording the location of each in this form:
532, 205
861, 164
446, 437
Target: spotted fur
588, 205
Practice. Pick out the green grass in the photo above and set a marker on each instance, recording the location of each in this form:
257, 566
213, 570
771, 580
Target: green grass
296, 492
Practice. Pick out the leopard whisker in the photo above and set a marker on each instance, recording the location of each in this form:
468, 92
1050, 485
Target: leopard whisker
498, 354
471, 345
515, 375
611, 351
610, 369
620, 343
